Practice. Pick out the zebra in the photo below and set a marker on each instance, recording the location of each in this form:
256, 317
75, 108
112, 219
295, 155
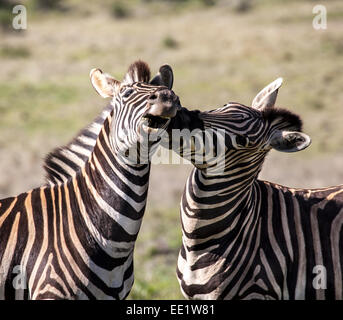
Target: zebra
243, 238
74, 237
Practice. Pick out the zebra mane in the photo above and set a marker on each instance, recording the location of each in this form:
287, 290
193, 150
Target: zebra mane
138, 71
288, 118
64, 162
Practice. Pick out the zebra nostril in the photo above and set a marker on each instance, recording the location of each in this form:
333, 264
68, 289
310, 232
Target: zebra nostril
153, 97
300, 139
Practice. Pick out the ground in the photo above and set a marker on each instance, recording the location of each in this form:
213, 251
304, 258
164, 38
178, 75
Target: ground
219, 53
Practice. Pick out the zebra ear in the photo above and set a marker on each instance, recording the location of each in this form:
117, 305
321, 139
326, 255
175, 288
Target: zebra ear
165, 77
104, 84
289, 141
266, 98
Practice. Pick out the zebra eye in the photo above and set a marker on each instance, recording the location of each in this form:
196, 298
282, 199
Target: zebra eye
128, 92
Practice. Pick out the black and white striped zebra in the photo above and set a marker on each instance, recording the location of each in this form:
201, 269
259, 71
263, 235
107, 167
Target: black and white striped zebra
249, 239
74, 237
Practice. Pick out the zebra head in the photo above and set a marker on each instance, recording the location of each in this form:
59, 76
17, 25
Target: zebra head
236, 133
142, 108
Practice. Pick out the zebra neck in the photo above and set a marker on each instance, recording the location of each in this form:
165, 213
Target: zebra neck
116, 191
66, 162
226, 184
212, 207
108, 194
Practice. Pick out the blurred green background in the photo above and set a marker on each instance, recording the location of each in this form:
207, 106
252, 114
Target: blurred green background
220, 50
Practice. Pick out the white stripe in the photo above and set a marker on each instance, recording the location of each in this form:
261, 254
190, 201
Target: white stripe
301, 277
336, 252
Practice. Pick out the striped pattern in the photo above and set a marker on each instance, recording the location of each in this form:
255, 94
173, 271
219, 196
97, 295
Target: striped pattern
74, 237
243, 238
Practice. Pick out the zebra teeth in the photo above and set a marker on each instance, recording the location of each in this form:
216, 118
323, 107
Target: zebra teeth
155, 122
149, 130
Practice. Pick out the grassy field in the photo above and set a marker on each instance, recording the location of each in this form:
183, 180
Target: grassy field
222, 52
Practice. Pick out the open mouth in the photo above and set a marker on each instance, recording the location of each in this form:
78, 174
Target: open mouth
151, 123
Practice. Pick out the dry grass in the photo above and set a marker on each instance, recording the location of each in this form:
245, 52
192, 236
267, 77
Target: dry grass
221, 55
